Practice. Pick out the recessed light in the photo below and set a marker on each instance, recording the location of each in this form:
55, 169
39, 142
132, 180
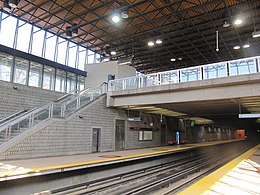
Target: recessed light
150, 43
238, 22
113, 53
158, 41
246, 46
237, 47
115, 18
173, 59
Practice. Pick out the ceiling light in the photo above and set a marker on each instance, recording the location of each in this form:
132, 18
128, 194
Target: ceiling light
180, 58
13, 3
173, 59
6, 6
113, 53
238, 22
256, 34
226, 24
237, 47
246, 46
150, 43
115, 18
158, 41
125, 14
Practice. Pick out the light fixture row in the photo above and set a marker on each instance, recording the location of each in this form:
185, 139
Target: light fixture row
244, 46
151, 43
237, 22
9, 4
174, 59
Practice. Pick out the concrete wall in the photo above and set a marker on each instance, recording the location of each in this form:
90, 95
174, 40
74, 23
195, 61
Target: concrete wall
73, 135
14, 97
97, 73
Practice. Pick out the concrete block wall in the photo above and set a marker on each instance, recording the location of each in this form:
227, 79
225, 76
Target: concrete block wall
73, 135
14, 97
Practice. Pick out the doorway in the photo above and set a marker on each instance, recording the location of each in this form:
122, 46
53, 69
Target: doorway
96, 139
120, 135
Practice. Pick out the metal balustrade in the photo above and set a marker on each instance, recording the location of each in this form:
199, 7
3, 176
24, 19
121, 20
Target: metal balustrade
210, 71
63, 107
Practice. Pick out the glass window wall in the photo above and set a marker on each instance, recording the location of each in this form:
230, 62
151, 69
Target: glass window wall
62, 51
81, 83
8, 28
37, 41
24, 35
215, 71
60, 84
50, 46
35, 75
6, 64
72, 55
20, 70
71, 82
48, 78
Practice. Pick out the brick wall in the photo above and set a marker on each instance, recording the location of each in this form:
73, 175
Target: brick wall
14, 97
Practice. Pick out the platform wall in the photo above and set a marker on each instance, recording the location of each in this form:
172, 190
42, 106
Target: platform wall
73, 135
15, 97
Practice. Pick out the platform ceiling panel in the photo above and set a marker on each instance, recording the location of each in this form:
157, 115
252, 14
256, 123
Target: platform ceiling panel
187, 28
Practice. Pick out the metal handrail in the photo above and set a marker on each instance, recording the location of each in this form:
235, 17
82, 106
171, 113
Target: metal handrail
30, 115
11, 115
182, 75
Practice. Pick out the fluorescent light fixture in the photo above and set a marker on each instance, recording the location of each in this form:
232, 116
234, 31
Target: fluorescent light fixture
115, 18
249, 115
173, 59
158, 41
13, 3
226, 24
6, 6
113, 53
237, 47
256, 34
150, 43
238, 21
246, 46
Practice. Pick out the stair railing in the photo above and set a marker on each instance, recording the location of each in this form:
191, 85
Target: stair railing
63, 108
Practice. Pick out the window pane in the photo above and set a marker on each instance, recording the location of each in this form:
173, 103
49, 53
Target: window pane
71, 82
191, 74
72, 56
62, 49
82, 60
24, 34
48, 78
6, 63
81, 83
98, 58
242, 67
8, 27
50, 46
20, 70
37, 44
35, 75
60, 84
91, 59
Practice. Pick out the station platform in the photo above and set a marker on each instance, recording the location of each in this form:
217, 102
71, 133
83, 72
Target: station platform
15, 169
240, 176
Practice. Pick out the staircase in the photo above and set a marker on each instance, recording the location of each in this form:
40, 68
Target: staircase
24, 120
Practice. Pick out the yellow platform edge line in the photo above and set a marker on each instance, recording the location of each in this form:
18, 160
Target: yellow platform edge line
208, 181
64, 166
